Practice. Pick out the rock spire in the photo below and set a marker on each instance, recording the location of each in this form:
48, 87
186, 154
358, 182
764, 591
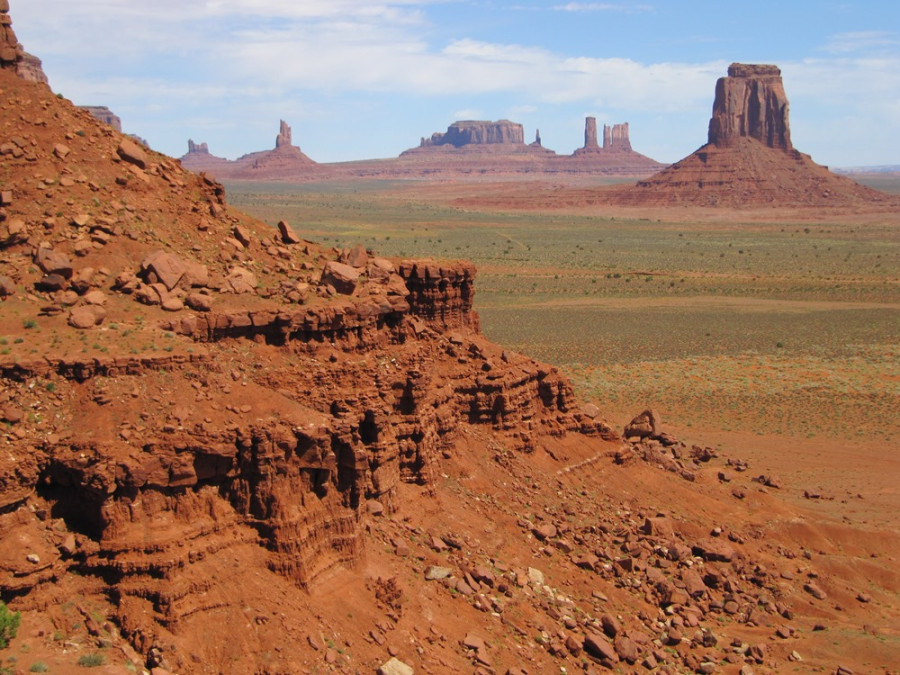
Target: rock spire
616, 137
590, 134
283, 140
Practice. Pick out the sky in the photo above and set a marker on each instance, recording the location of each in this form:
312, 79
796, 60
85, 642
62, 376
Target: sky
360, 79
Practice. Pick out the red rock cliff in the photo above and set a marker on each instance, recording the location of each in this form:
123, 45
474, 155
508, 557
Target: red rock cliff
751, 102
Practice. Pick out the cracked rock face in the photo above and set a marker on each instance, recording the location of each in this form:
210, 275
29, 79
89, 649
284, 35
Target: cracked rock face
751, 102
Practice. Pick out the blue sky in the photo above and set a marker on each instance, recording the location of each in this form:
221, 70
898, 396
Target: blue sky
360, 80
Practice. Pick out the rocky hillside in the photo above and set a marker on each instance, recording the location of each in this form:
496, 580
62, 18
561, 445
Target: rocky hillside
226, 449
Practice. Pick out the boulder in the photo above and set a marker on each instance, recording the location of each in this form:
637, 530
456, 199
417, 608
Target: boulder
241, 280
53, 262
286, 233
395, 667
598, 647
343, 278
86, 316
167, 268
355, 257
132, 153
7, 286
647, 424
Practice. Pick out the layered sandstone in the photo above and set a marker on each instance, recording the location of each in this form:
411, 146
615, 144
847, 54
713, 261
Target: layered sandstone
617, 137
470, 132
31, 68
249, 397
105, 115
11, 52
750, 103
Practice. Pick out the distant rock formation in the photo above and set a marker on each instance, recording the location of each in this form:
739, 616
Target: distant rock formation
590, 134
284, 161
471, 132
197, 147
31, 68
105, 115
616, 137
749, 159
11, 52
284, 136
751, 103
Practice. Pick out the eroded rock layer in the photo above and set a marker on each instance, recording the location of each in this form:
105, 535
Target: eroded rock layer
248, 395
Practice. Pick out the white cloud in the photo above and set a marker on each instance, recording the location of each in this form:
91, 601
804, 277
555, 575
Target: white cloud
602, 7
859, 41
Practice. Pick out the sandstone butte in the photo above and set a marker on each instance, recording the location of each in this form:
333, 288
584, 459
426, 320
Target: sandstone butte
748, 159
467, 148
226, 449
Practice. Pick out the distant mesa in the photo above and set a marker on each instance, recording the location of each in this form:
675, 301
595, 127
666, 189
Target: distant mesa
464, 133
479, 137
615, 138
749, 158
285, 161
105, 115
466, 148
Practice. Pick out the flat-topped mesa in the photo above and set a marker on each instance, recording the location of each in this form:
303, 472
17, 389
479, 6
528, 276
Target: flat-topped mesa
197, 148
11, 52
751, 102
470, 132
616, 137
283, 140
105, 115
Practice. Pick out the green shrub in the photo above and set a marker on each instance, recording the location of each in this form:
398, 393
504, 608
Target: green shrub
39, 667
9, 625
92, 660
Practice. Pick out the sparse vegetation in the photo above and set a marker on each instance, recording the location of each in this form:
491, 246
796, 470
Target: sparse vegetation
804, 311
9, 624
92, 660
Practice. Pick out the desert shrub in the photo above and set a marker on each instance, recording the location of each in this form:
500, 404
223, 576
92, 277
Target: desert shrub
39, 667
91, 660
9, 624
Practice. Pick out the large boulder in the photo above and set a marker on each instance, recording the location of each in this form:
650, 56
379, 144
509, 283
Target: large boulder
644, 425
165, 268
132, 153
53, 262
343, 278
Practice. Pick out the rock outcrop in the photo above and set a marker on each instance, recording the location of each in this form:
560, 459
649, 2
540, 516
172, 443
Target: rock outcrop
31, 68
283, 139
750, 103
590, 134
105, 115
749, 159
616, 137
469, 132
11, 52
285, 161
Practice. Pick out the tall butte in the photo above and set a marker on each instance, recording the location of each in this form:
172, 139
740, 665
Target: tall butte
748, 159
